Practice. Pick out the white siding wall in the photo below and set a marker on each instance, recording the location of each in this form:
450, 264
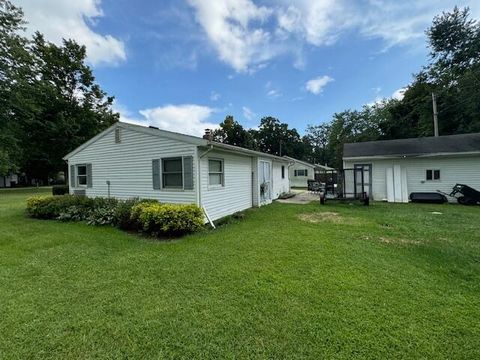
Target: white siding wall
280, 185
128, 166
463, 170
236, 194
255, 183
300, 181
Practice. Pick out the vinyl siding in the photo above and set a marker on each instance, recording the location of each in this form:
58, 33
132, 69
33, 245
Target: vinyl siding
236, 194
463, 170
280, 185
300, 181
128, 166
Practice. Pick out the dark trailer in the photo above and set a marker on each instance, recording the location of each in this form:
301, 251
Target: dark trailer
347, 184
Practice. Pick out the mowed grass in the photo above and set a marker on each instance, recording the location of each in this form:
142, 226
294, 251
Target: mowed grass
288, 281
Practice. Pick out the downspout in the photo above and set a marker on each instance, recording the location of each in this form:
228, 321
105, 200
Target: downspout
199, 176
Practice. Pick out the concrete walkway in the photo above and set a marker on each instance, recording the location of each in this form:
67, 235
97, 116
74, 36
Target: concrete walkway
301, 197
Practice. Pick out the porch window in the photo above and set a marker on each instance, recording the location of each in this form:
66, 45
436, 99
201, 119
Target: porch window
215, 172
301, 172
82, 175
172, 174
432, 175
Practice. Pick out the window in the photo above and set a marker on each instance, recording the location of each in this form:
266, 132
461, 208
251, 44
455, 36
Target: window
81, 175
283, 172
215, 172
118, 136
432, 175
301, 172
172, 175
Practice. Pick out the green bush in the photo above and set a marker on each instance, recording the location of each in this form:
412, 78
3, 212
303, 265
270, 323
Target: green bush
134, 222
51, 207
103, 211
145, 215
60, 189
168, 219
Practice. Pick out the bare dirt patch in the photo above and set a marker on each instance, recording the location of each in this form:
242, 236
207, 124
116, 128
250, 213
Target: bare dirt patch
392, 240
319, 217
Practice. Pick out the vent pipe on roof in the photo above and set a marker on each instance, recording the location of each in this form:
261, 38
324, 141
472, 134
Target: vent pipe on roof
208, 135
435, 115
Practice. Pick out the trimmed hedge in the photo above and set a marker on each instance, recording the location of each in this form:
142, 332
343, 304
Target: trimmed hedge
53, 207
147, 216
60, 189
168, 219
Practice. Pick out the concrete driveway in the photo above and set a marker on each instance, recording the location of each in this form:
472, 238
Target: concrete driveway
301, 197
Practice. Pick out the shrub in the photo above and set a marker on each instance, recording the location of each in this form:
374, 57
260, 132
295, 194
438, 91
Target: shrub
60, 189
168, 219
103, 212
134, 223
66, 207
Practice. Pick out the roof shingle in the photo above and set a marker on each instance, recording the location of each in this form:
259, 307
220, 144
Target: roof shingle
413, 147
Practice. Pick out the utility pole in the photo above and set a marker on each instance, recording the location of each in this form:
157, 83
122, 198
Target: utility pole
280, 147
435, 115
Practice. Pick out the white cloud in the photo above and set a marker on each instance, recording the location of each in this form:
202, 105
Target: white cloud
245, 34
188, 119
248, 113
399, 94
228, 25
214, 96
379, 99
272, 91
73, 19
316, 85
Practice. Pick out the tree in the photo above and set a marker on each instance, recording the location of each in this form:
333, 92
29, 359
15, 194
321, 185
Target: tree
15, 64
233, 133
317, 139
276, 138
49, 101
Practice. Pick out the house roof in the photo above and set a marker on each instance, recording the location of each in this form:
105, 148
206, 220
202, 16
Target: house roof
194, 140
425, 146
317, 166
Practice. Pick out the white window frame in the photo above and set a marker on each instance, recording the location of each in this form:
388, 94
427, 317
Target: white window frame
433, 175
304, 172
221, 173
163, 173
77, 183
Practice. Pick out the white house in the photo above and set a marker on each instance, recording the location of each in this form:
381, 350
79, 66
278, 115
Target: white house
10, 180
301, 171
127, 161
396, 168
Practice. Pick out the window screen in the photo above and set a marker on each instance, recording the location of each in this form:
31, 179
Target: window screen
172, 176
82, 175
215, 172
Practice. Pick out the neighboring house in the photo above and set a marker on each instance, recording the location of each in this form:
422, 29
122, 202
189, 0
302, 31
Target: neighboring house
397, 168
10, 180
300, 171
127, 161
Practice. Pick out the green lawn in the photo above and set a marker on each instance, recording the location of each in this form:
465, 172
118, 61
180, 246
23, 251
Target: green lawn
288, 281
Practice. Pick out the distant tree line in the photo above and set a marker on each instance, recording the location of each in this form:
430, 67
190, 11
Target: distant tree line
49, 100
452, 73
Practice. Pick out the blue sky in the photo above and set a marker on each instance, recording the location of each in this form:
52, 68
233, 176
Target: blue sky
184, 65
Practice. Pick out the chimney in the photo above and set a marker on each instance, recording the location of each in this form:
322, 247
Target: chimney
208, 135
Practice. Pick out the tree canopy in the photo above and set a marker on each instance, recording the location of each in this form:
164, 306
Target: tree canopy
50, 102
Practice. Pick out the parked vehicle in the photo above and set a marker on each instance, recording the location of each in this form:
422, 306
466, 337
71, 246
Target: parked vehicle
468, 195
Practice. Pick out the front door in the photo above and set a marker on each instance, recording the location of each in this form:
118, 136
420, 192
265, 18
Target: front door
265, 181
